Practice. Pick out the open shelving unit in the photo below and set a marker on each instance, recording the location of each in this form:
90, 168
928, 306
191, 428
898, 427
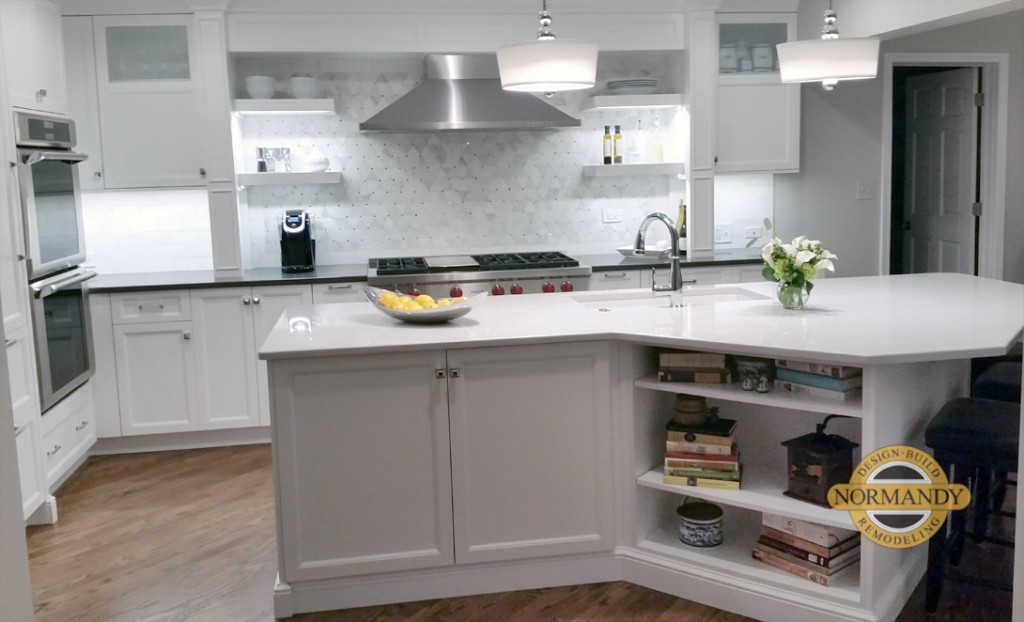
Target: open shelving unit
288, 179
611, 102
629, 170
284, 106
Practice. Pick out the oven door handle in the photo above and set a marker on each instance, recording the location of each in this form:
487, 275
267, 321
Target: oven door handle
70, 157
48, 287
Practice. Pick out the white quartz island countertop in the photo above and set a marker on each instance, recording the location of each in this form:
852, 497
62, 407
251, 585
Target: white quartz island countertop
855, 320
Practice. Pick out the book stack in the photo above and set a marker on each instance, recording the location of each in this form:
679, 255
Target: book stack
690, 366
834, 382
805, 549
702, 455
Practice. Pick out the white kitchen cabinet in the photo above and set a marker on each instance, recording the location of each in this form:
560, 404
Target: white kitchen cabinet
530, 440
506, 438
83, 99
30, 469
14, 290
225, 357
195, 348
104, 379
338, 292
156, 380
615, 279
149, 105
757, 117
21, 367
366, 439
749, 273
69, 431
34, 56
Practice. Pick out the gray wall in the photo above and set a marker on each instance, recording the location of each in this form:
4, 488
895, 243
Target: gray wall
841, 146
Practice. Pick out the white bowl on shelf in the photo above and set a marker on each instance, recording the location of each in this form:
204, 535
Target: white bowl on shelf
259, 87
305, 87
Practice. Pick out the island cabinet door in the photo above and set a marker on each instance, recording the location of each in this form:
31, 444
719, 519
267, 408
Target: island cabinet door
362, 465
531, 451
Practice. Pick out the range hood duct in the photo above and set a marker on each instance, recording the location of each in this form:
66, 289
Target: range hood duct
463, 92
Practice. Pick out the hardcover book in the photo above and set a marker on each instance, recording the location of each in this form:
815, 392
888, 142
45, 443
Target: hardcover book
701, 375
835, 371
690, 358
727, 458
787, 551
822, 535
713, 427
793, 568
701, 449
701, 482
732, 476
708, 465
818, 380
803, 389
808, 546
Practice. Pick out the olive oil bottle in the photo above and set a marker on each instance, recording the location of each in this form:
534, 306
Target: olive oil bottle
607, 145
617, 146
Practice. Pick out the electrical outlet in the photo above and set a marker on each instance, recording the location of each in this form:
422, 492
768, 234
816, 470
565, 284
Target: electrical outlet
611, 214
752, 233
723, 234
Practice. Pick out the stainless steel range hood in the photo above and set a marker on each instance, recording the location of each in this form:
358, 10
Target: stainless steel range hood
463, 92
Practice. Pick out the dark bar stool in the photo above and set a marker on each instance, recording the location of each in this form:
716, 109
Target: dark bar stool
971, 438
1000, 381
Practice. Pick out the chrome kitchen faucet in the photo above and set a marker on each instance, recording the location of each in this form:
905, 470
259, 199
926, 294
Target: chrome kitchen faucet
676, 286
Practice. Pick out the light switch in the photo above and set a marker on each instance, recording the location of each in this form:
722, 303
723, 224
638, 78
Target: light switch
723, 234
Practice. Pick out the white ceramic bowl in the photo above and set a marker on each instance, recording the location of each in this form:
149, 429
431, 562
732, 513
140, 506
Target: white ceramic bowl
426, 316
259, 87
305, 87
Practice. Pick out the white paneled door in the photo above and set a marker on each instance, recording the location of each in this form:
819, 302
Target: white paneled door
940, 176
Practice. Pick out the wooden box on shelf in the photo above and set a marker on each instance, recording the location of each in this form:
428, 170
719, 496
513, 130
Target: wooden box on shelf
817, 461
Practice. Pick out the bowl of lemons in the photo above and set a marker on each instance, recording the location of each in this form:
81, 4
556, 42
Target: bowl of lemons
421, 309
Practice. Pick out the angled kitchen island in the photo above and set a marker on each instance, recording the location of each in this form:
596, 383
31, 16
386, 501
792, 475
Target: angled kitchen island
521, 446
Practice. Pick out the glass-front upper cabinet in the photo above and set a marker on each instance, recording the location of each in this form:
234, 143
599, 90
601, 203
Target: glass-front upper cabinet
746, 42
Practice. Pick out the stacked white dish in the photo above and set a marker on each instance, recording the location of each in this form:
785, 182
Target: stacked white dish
637, 86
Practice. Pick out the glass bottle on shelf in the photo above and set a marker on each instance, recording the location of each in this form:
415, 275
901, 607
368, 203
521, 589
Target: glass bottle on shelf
607, 144
617, 145
636, 152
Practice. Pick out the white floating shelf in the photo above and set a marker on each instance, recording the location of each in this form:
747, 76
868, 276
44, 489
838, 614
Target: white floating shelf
609, 102
733, 558
284, 106
776, 398
631, 170
288, 179
761, 490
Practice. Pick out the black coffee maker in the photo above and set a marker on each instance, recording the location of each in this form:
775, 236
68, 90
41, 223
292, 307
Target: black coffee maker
298, 247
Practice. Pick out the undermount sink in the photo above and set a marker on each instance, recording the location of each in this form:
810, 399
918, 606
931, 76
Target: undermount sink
617, 299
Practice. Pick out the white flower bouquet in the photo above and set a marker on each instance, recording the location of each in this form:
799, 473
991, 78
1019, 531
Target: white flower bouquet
794, 266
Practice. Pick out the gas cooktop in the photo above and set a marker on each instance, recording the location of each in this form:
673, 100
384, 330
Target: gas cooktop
395, 266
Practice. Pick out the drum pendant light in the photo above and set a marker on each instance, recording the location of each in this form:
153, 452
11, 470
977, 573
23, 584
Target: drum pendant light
829, 59
547, 65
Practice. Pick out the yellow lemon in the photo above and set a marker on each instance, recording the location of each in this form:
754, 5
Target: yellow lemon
423, 300
388, 298
459, 299
444, 302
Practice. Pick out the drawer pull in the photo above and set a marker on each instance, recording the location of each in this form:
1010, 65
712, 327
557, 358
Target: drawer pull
690, 282
81, 426
334, 288
613, 275
10, 342
18, 429
53, 451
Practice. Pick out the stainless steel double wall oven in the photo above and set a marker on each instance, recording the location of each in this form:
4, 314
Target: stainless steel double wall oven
51, 208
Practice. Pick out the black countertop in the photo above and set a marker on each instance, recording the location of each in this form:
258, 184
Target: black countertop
342, 273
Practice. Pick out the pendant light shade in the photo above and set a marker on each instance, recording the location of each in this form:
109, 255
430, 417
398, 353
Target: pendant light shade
547, 64
829, 59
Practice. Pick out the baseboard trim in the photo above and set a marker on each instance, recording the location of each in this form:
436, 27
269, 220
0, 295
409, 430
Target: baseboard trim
180, 440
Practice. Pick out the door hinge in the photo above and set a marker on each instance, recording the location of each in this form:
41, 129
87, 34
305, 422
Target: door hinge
979, 99
976, 208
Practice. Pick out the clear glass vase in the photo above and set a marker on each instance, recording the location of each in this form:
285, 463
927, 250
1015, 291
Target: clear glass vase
792, 296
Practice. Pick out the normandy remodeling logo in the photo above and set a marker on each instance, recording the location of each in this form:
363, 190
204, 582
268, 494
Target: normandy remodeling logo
899, 497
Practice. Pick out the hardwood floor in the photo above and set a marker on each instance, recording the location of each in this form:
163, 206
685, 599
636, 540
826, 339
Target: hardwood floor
176, 536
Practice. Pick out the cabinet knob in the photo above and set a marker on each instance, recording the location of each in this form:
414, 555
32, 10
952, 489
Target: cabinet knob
246, 300
202, 173
40, 94
10, 342
455, 373
255, 300
187, 335
98, 174
21, 257
440, 374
